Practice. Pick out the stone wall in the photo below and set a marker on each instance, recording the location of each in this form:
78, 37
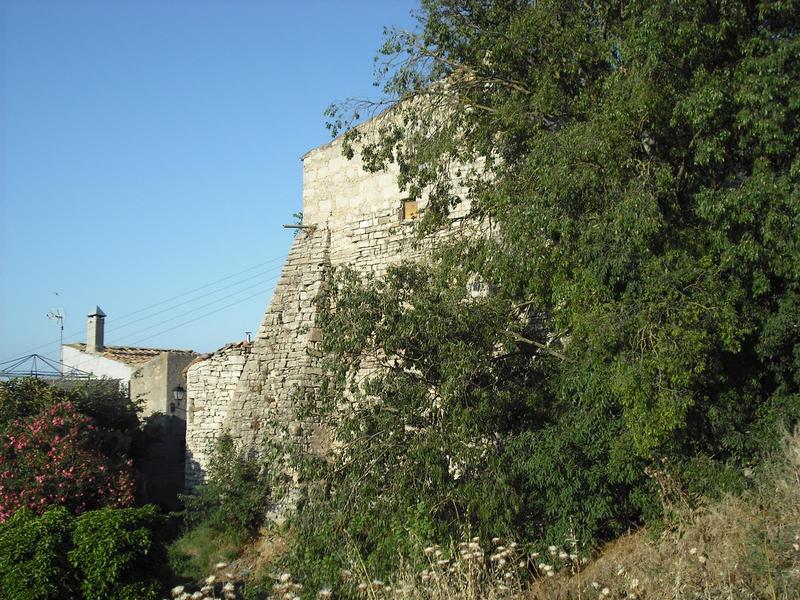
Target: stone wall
152, 383
210, 385
350, 217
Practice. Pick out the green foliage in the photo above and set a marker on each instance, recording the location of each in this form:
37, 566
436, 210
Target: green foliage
33, 556
107, 553
194, 554
640, 160
27, 396
236, 494
117, 553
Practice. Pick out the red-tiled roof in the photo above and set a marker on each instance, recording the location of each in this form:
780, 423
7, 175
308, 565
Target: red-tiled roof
128, 354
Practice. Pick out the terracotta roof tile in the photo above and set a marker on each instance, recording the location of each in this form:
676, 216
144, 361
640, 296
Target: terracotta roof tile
128, 354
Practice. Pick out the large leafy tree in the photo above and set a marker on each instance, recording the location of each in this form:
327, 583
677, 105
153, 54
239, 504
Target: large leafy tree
639, 164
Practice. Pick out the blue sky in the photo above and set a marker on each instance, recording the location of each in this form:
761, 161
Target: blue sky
151, 149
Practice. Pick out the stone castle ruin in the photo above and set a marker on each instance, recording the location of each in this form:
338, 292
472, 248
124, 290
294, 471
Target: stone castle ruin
350, 217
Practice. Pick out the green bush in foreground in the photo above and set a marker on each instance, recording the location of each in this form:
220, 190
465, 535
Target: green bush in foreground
33, 555
113, 554
117, 553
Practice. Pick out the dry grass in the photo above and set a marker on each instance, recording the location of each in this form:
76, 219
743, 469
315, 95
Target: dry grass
742, 547
470, 570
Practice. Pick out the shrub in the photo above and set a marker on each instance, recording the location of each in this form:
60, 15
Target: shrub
33, 555
27, 396
116, 553
56, 457
236, 495
195, 553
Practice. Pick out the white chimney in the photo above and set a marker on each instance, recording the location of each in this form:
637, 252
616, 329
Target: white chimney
94, 330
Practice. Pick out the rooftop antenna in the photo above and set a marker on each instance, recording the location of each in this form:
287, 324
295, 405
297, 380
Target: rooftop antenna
58, 315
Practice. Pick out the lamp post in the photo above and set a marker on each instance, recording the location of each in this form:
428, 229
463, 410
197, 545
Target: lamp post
178, 395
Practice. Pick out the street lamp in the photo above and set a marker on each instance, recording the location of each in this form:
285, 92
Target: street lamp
179, 395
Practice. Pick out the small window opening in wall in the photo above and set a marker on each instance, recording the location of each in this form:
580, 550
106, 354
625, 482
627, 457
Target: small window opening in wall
409, 210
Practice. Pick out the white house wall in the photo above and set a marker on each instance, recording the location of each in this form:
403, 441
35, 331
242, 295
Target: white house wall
99, 366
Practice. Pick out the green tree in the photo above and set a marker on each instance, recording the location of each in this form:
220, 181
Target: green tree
640, 163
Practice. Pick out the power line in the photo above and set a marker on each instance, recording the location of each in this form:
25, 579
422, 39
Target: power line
202, 287
201, 317
340, 258
206, 305
195, 299
133, 344
161, 302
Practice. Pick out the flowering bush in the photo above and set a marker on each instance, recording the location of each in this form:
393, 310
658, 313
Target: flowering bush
55, 458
